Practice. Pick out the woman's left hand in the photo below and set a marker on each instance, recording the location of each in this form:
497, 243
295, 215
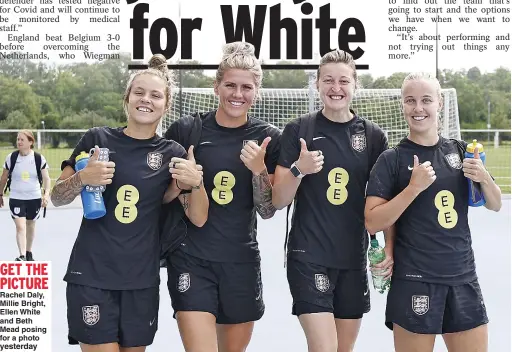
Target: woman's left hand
44, 200
474, 168
186, 171
386, 266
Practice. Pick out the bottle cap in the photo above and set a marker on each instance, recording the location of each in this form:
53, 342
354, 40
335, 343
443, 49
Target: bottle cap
81, 156
471, 147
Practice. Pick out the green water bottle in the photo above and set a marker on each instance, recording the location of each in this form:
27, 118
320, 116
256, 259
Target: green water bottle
376, 255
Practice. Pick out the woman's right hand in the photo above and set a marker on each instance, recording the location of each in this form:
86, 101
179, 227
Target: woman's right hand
97, 173
309, 162
423, 175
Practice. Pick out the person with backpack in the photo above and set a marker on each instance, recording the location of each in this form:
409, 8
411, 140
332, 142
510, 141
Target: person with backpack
214, 277
324, 166
421, 186
113, 271
25, 172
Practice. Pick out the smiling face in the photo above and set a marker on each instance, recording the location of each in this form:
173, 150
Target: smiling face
336, 86
147, 99
421, 104
236, 92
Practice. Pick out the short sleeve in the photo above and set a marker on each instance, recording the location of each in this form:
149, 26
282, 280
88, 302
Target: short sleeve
180, 151
290, 144
172, 132
44, 163
179, 131
383, 177
84, 145
7, 163
383, 142
273, 149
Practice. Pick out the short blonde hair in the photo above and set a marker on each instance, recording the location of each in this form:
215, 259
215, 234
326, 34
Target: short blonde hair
417, 76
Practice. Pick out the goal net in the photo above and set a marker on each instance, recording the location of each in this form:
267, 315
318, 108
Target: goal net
278, 106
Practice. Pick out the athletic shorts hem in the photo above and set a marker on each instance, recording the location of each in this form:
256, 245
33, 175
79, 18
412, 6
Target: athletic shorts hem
227, 321
194, 309
389, 324
92, 341
125, 344
466, 327
304, 307
129, 344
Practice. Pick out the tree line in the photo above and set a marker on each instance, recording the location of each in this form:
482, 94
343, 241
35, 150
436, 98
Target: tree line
82, 95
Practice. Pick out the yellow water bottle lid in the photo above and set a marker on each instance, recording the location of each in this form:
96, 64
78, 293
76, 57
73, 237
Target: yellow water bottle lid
81, 156
471, 147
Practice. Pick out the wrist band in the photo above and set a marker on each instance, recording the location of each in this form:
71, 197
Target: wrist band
199, 185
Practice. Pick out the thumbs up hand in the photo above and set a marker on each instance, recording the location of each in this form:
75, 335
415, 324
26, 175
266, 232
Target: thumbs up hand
423, 175
186, 171
253, 155
97, 173
474, 168
310, 162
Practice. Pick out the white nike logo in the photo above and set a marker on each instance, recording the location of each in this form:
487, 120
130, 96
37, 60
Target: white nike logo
409, 167
152, 322
367, 290
315, 138
205, 143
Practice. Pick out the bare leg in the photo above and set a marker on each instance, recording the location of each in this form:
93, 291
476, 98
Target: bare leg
31, 228
234, 337
21, 234
347, 331
406, 341
320, 330
105, 347
132, 349
474, 340
197, 330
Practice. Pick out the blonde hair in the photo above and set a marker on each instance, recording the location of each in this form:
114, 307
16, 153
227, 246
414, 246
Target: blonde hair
240, 55
339, 57
417, 76
29, 135
157, 66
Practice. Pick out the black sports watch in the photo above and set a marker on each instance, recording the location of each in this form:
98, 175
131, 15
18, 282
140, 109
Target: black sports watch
295, 171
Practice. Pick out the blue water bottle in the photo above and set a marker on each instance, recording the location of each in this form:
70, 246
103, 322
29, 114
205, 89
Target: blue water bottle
476, 196
92, 201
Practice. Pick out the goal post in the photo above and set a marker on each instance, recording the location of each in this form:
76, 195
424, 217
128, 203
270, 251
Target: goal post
278, 106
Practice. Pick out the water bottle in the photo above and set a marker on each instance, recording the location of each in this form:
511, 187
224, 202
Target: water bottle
92, 201
376, 255
476, 196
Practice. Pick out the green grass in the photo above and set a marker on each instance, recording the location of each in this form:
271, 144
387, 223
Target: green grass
497, 162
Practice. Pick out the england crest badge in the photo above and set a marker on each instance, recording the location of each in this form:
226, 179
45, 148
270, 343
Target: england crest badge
453, 160
183, 282
154, 160
91, 314
250, 140
420, 304
359, 142
322, 282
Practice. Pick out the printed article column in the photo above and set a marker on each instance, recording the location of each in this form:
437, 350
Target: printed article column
25, 306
